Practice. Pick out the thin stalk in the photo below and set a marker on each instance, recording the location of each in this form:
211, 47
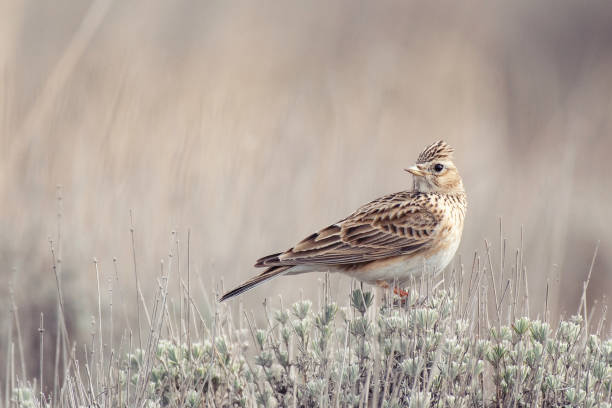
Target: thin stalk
136, 278
101, 352
7, 377
18, 330
585, 285
188, 290
41, 331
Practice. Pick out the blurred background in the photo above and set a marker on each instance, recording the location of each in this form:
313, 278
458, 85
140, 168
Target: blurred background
251, 124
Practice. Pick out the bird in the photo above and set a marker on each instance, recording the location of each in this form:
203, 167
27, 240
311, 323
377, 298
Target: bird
391, 240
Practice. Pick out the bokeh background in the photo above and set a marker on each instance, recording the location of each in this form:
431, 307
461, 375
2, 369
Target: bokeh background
253, 123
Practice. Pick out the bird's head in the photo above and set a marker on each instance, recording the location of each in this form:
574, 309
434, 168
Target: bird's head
434, 171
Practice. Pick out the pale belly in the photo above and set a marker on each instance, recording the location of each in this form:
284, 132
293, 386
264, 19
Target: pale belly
405, 269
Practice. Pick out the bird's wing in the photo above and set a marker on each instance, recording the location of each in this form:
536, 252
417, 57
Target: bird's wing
397, 224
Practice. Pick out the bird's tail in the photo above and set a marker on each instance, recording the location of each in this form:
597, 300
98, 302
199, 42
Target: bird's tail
266, 275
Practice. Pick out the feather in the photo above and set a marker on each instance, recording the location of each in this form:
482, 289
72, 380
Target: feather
265, 276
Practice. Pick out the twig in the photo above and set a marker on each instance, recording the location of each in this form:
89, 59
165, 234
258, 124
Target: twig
585, 285
136, 277
41, 331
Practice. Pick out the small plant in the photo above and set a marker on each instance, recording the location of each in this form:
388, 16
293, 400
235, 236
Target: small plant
431, 348
416, 355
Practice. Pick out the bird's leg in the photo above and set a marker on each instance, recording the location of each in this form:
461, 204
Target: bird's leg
404, 295
400, 292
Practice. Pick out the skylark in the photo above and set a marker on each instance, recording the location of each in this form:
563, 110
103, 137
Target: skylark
391, 240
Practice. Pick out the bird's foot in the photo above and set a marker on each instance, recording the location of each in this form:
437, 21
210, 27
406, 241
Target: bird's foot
401, 292
404, 297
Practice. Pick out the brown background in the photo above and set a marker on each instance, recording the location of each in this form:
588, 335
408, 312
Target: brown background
254, 123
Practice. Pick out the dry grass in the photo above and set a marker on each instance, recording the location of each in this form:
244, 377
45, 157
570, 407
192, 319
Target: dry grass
465, 341
231, 121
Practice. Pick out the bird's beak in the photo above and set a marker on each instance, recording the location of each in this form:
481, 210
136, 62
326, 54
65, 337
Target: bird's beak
415, 170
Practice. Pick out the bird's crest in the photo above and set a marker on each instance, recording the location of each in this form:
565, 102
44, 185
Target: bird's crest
438, 150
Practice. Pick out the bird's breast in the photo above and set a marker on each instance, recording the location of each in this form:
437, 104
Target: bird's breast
406, 268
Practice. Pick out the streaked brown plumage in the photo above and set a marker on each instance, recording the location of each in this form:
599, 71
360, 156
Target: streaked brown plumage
394, 238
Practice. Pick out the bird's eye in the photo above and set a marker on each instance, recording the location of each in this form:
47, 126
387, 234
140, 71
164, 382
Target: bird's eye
438, 167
